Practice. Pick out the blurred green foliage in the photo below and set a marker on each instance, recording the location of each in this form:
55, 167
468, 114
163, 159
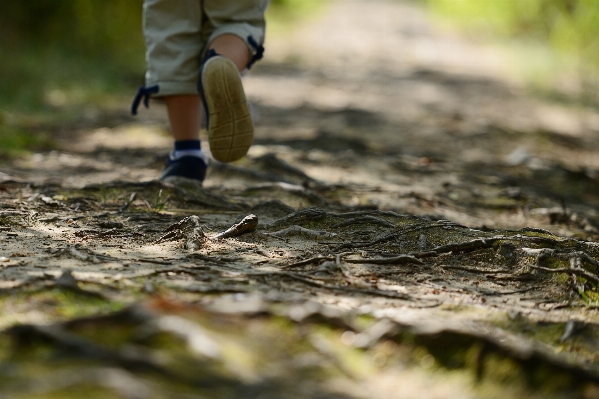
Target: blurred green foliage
70, 52
569, 27
96, 29
73, 47
14, 140
283, 15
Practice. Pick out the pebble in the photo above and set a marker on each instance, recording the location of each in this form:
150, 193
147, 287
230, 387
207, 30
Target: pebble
4, 259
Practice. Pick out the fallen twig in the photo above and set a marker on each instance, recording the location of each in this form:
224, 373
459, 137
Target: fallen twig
129, 202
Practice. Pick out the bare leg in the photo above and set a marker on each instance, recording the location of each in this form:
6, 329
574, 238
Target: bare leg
184, 116
233, 48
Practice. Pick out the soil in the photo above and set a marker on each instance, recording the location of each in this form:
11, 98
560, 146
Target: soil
410, 222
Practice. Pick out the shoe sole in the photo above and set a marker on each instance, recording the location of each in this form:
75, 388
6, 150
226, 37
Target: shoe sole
230, 125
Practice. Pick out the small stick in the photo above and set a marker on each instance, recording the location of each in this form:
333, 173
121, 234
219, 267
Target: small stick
128, 203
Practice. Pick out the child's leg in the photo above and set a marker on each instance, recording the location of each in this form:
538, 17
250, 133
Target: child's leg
233, 48
184, 116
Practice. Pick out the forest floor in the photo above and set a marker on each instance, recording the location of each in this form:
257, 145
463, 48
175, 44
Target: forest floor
411, 222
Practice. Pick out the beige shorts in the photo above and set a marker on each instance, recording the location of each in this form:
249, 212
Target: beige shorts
178, 32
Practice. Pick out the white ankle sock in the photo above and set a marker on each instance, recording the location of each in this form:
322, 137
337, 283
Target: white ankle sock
177, 154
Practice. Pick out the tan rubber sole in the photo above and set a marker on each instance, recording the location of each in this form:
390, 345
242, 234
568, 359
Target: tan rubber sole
230, 125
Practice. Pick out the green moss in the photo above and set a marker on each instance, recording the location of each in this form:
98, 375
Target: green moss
593, 296
364, 321
561, 278
55, 303
15, 140
75, 391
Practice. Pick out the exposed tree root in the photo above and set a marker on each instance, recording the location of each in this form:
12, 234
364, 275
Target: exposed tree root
349, 289
189, 229
77, 254
395, 260
75, 346
375, 213
449, 342
66, 281
569, 270
310, 214
364, 219
473, 269
307, 262
298, 230
575, 259
246, 225
469, 246
402, 233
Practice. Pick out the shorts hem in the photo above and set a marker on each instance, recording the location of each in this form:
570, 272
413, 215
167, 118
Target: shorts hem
170, 88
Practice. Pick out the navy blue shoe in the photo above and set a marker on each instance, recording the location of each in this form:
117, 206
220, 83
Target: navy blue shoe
189, 167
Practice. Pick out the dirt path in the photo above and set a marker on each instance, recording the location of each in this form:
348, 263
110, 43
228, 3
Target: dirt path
411, 199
